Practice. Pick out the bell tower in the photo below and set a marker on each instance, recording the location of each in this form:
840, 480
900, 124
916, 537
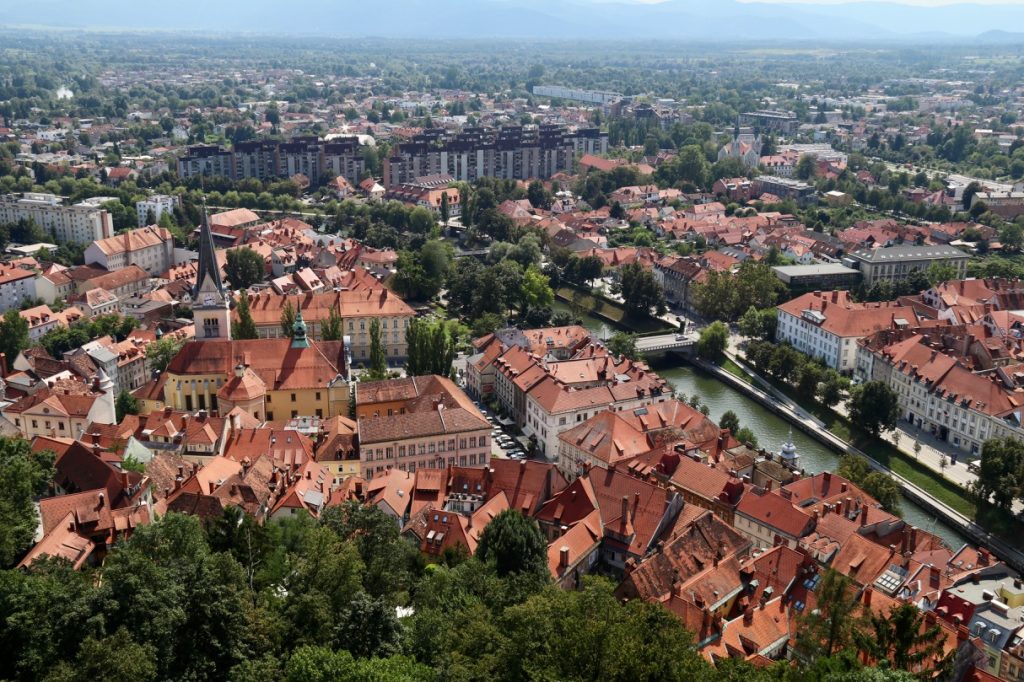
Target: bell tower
211, 303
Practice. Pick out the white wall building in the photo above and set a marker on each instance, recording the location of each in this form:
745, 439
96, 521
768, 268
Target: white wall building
151, 248
72, 224
158, 204
827, 325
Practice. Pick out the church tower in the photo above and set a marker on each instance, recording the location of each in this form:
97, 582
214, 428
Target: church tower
211, 303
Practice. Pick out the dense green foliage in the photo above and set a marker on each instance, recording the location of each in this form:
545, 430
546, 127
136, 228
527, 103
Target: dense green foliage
24, 475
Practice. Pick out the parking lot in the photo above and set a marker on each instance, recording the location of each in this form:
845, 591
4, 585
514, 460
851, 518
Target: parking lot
503, 437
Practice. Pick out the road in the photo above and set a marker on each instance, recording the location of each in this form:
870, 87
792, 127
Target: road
646, 344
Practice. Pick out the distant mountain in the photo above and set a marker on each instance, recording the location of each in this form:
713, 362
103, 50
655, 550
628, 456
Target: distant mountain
690, 20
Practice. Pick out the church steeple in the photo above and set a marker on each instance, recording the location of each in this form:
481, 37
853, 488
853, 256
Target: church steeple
208, 272
299, 338
211, 302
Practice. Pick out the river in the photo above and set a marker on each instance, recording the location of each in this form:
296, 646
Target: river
771, 430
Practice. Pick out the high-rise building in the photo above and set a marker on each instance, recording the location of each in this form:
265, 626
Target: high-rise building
511, 152
79, 224
266, 159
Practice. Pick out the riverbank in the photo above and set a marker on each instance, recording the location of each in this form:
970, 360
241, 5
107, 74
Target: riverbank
610, 312
784, 407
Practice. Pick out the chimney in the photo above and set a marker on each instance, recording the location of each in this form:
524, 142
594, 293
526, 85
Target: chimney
625, 507
867, 596
3, 365
563, 557
768, 486
827, 476
748, 617
842, 487
846, 506
102, 497
864, 515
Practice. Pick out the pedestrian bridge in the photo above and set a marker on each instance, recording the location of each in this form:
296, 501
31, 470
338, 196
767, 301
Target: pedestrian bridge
650, 345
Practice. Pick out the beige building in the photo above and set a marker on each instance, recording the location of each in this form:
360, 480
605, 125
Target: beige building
415, 423
357, 310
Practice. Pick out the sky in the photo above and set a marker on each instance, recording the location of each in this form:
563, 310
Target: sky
920, 3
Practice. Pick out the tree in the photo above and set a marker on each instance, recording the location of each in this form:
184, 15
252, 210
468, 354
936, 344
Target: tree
747, 437
378, 358
125, 404
729, 420
535, 291
369, 627
331, 328
244, 267
586, 269
445, 210
690, 167
902, 638
806, 167
624, 344
13, 335
759, 324
513, 543
160, 353
287, 319
1001, 472
940, 271
879, 485
833, 387
883, 488
714, 339
917, 448
874, 406
24, 475
431, 348
245, 326
830, 627
640, 291
537, 195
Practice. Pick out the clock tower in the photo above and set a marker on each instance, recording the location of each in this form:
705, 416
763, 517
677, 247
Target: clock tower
211, 303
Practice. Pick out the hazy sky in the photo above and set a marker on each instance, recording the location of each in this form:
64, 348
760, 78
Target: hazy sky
925, 3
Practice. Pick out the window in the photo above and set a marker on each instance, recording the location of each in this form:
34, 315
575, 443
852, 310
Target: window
295, 413
35, 425
401, 451
293, 397
270, 416
318, 395
268, 397
319, 414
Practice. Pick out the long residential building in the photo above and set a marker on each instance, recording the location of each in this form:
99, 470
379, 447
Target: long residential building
357, 310
79, 224
265, 159
828, 324
937, 392
512, 153
895, 263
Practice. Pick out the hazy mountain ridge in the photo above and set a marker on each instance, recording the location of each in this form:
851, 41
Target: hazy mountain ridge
694, 20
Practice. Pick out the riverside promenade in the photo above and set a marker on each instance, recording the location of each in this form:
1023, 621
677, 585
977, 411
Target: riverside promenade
782, 405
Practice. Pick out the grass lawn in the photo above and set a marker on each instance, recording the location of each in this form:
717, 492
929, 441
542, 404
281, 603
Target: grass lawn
735, 370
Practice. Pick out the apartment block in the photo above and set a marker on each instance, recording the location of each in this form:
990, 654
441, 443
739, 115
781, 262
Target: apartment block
78, 224
511, 152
